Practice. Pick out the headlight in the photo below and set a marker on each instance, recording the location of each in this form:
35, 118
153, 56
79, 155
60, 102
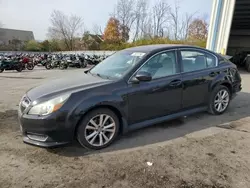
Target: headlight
48, 107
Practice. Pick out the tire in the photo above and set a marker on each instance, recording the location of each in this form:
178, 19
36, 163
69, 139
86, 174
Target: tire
48, 66
213, 106
61, 66
83, 133
84, 65
19, 69
1, 70
30, 66
248, 67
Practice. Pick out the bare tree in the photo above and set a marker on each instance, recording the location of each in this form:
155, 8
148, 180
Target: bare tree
147, 30
97, 30
180, 22
161, 11
174, 14
140, 16
125, 15
64, 27
186, 21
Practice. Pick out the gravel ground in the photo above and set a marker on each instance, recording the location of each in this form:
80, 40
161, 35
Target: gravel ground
204, 151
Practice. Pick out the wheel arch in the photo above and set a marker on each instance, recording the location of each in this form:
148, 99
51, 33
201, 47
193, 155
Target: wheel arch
118, 113
223, 83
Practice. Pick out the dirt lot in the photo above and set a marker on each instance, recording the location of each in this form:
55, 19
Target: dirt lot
203, 152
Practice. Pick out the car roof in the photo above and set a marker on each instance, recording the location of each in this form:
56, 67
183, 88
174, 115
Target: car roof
156, 47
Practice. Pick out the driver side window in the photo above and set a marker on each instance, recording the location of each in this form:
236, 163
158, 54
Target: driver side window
161, 65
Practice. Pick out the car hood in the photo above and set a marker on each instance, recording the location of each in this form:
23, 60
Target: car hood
70, 84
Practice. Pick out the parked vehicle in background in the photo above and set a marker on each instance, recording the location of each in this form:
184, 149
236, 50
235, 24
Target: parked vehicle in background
242, 59
57, 61
131, 89
77, 61
8, 63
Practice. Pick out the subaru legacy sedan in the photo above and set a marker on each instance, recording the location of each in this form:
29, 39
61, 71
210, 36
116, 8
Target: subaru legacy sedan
131, 89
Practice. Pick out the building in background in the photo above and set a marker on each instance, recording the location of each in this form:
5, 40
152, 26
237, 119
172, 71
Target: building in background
10, 36
229, 30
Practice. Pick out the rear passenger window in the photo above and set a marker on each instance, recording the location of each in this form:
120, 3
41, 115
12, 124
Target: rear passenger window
194, 60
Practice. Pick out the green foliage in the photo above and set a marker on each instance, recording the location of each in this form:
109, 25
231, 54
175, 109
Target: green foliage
141, 42
91, 42
55, 45
45, 46
33, 46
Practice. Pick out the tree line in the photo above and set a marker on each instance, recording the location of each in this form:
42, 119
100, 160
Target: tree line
133, 23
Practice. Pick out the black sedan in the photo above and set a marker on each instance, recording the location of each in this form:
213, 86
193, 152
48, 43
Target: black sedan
131, 89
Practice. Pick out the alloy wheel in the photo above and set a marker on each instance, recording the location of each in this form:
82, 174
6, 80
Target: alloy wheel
100, 130
221, 100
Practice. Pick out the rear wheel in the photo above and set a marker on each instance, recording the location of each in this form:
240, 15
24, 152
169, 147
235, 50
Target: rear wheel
98, 129
219, 100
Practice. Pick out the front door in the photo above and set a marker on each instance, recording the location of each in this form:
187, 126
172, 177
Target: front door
198, 71
160, 96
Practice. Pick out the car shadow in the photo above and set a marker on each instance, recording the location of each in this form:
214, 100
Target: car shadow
239, 108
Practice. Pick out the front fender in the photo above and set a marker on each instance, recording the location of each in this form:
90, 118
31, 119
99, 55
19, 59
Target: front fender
89, 102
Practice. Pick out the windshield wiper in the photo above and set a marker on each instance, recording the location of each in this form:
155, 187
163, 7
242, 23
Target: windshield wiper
103, 76
99, 75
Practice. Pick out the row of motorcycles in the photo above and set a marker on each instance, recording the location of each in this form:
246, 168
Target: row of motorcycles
70, 60
21, 62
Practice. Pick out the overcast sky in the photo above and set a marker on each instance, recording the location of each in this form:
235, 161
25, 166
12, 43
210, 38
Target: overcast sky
34, 15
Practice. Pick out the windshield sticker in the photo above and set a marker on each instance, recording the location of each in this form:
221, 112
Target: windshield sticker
138, 54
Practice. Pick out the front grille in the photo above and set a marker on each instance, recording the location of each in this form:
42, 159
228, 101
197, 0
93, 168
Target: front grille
25, 102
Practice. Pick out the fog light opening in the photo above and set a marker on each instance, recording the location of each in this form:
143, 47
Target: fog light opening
36, 137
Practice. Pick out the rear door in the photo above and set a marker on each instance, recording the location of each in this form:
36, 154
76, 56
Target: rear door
198, 69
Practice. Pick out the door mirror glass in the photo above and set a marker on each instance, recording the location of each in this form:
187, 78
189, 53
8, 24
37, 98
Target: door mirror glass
143, 76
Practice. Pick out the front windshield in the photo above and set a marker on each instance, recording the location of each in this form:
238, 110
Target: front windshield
117, 65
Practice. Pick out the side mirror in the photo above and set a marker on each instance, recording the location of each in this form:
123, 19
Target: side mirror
142, 76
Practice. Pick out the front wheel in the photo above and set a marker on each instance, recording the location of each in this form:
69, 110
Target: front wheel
48, 66
219, 100
30, 66
19, 69
1, 70
98, 129
84, 65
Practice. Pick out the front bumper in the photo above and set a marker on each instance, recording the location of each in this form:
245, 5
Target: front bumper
43, 144
50, 131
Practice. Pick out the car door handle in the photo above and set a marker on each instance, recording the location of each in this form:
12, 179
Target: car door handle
175, 83
212, 74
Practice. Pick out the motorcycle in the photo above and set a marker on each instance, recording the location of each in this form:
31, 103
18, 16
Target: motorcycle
78, 62
27, 64
56, 63
10, 65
